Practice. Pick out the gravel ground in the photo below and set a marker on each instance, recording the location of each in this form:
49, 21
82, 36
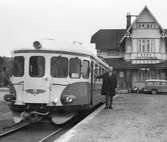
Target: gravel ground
5, 116
135, 118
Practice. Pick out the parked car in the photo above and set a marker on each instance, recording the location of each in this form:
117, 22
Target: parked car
137, 90
154, 86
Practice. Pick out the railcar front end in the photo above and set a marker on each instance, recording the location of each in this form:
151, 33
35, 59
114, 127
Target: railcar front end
50, 84
54, 83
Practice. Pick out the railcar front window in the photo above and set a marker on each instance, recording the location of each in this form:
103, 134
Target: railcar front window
18, 67
37, 66
85, 69
59, 67
75, 68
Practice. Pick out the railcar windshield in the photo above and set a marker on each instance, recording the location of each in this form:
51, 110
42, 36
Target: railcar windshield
75, 68
59, 67
18, 66
85, 69
37, 66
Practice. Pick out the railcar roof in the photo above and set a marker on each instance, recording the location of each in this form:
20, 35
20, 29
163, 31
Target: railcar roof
67, 47
59, 46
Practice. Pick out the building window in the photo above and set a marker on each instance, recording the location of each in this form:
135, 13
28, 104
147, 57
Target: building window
148, 74
143, 45
146, 25
139, 45
146, 45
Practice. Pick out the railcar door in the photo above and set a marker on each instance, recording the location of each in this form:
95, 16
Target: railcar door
92, 83
59, 74
36, 85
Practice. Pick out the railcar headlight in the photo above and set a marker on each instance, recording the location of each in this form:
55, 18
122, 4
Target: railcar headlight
55, 101
37, 45
68, 99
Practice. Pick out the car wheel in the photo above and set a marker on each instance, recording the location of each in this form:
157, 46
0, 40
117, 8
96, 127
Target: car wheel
153, 92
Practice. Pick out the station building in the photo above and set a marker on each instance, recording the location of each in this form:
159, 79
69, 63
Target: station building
137, 53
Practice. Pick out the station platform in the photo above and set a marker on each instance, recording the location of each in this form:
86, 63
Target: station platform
134, 118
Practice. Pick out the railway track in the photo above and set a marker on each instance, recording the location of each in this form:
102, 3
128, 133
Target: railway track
34, 132
13, 128
65, 128
37, 132
44, 139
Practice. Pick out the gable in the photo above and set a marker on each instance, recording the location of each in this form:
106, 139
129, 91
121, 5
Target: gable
146, 16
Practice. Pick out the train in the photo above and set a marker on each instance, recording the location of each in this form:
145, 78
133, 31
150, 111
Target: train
54, 80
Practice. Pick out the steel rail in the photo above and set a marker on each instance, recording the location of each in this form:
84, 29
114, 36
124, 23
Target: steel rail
14, 128
50, 135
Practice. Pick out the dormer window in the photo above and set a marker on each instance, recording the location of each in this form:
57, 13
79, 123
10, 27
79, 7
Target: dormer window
145, 25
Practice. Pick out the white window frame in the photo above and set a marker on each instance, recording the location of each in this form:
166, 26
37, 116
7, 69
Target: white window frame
146, 45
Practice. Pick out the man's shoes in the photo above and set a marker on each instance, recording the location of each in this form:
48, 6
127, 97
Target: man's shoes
106, 107
110, 107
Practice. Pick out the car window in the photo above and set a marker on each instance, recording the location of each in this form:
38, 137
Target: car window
163, 83
149, 83
156, 83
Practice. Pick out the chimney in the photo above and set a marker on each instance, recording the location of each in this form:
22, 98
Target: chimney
128, 20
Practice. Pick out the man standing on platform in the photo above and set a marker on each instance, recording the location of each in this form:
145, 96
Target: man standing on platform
109, 86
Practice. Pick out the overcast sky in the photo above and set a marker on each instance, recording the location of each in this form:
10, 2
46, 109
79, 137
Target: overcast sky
23, 21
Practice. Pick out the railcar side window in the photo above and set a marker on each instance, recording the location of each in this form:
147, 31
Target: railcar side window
75, 68
100, 73
59, 67
18, 67
96, 69
85, 69
37, 66
103, 71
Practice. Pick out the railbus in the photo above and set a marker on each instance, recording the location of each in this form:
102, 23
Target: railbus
53, 80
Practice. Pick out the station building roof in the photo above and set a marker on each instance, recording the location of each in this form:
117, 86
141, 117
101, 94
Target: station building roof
110, 37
